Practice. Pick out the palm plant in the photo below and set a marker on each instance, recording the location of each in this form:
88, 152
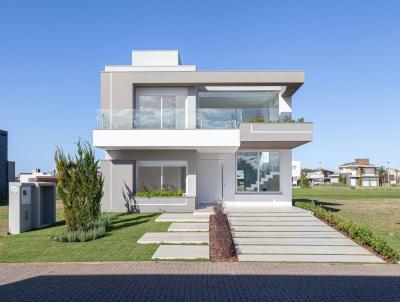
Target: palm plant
383, 174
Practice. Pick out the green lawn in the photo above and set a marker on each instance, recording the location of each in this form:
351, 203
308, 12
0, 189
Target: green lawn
119, 245
377, 208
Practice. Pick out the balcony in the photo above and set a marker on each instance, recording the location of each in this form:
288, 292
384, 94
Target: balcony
219, 129
200, 118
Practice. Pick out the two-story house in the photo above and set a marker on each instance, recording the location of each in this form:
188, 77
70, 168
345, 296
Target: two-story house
360, 173
215, 135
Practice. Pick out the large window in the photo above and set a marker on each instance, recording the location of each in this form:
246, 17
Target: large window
168, 175
160, 108
257, 171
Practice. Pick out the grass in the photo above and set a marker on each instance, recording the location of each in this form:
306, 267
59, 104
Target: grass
379, 209
118, 245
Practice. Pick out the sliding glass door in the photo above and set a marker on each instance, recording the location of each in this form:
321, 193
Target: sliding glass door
257, 171
160, 108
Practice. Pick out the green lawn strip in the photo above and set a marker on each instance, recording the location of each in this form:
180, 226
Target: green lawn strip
361, 234
118, 245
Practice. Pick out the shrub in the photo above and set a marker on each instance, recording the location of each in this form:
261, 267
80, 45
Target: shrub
80, 236
288, 119
79, 186
96, 229
222, 247
304, 183
361, 234
160, 192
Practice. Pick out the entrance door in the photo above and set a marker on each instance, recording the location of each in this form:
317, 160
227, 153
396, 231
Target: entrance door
210, 177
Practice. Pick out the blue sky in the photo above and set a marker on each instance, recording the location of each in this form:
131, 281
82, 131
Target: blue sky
51, 53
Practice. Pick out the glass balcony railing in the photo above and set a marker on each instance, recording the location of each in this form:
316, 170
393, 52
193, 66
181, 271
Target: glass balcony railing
200, 118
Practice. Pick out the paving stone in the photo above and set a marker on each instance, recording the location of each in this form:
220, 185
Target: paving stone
204, 211
175, 238
330, 234
269, 214
189, 227
295, 241
312, 258
270, 209
277, 228
278, 218
304, 250
150, 281
182, 217
266, 223
178, 252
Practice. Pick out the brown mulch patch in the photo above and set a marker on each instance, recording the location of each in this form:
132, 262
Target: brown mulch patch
222, 247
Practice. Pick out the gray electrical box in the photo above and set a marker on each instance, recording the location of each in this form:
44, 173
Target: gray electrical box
32, 205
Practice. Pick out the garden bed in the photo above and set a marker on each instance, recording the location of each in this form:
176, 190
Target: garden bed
222, 247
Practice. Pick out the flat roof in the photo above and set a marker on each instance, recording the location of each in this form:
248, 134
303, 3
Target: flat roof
292, 80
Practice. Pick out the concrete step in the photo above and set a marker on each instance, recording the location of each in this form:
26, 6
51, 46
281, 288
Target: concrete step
266, 223
189, 227
175, 238
279, 218
182, 252
295, 241
269, 209
204, 211
269, 214
281, 228
182, 217
330, 234
312, 258
304, 250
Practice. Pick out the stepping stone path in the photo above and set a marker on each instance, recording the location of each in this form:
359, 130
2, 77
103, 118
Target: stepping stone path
290, 234
187, 237
271, 234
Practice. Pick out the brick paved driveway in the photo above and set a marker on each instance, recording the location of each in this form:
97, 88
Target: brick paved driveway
167, 281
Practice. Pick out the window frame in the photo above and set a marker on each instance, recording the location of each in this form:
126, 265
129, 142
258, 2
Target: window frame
259, 151
161, 164
163, 92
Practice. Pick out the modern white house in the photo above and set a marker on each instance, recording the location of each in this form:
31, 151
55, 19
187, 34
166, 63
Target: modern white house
360, 173
319, 176
296, 172
214, 135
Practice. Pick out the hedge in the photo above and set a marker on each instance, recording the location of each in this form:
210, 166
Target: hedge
160, 192
361, 234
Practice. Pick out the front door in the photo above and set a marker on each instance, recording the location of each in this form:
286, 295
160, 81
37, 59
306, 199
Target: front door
210, 177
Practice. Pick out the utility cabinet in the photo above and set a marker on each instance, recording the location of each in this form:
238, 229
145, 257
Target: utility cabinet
32, 205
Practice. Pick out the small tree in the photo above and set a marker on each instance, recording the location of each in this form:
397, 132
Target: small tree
342, 178
382, 173
79, 186
304, 183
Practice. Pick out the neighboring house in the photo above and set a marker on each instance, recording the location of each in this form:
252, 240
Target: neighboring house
215, 135
334, 178
296, 172
394, 176
7, 168
37, 176
360, 173
319, 176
